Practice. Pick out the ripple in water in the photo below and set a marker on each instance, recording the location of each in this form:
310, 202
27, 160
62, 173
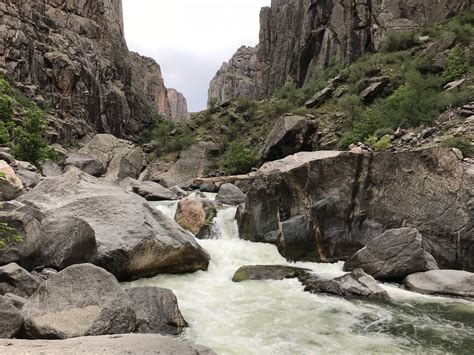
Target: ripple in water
277, 317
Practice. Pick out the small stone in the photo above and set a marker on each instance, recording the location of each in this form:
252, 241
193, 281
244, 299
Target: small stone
458, 153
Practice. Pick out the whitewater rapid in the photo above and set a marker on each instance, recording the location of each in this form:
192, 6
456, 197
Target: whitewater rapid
277, 317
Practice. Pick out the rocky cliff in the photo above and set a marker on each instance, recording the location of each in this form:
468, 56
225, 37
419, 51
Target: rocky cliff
298, 37
73, 55
178, 106
236, 78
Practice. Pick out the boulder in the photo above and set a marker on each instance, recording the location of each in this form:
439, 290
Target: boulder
355, 284
149, 190
10, 185
340, 201
82, 300
24, 234
442, 282
192, 164
119, 158
16, 280
117, 344
320, 97
51, 169
209, 187
17, 301
157, 311
28, 178
133, 239
230, 194
291, 134
11, 319
375, 89
393, 255
268, 272
84, 162
196, 214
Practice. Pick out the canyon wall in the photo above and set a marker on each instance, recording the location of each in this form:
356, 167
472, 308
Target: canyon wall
299, 37
178, 106
73, 55
235, 78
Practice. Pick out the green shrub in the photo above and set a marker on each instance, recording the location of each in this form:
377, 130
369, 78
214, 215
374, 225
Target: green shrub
461, 143
213, 102
6, 107
238, 159
383, 144
244, 105
352, 104
457, 65
399, 41
8, 235
29, 143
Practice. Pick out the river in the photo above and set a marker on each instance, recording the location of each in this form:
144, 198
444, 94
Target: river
277, 317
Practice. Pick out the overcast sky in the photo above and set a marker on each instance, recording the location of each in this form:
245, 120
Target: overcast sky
191, 38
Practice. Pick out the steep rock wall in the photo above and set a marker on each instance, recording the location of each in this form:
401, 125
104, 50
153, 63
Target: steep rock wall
178, 106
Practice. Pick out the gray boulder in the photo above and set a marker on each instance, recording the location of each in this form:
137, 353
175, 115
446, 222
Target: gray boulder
268, 272
119, 158
291, 134
442, 282
355, 284
11, 319
17, 301
16, 280
133, 239
157, 311
85, 162
51, 169
149, 190
150, 344
29, 178
82, 300
320, 97
393, 255
230, 194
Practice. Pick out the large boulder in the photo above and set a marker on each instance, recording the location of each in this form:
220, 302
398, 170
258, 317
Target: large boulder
28, 178
149, 190
119, 158
393, 255
133, 239
78, 301
442, 282
84, 162
268, 272
291, 134
10, 185
11, 319
230, 194
22, 232
16, 280
126, 344
192, 164
325, 206
51, 169
196, 214
157, 311
355, 284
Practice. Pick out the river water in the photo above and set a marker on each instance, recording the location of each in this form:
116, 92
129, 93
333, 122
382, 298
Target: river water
277, 317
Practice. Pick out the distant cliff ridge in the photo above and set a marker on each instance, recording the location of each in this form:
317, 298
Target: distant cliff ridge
73, 54
298, 37
178, 106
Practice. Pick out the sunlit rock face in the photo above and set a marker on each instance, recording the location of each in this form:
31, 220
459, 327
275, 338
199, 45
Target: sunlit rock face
298, 37
73, 55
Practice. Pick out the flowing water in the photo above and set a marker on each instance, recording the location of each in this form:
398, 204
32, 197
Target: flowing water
277, 317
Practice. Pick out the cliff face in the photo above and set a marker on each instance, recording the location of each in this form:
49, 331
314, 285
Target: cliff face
178, 106
297, 37
236, 78
73, 54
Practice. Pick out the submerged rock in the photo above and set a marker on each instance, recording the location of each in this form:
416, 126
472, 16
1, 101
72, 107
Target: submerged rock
78, 301
268, 272
116, 344
157, 311
442, 282
230, 194
355, 284
133, 239
393, 255
11, 319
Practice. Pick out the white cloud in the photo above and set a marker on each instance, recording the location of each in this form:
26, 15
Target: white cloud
191, 38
